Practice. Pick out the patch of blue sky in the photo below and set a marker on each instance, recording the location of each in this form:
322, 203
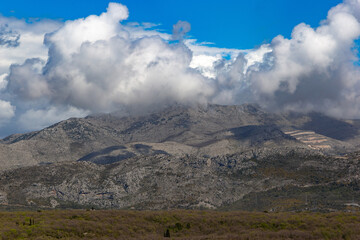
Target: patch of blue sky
241, 24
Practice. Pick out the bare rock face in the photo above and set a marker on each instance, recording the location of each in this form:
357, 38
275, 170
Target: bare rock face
166, 182
184, 157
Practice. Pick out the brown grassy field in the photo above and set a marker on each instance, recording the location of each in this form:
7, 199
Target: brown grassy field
181, 224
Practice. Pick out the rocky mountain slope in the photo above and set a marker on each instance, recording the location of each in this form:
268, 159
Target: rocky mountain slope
184, 157
247, 181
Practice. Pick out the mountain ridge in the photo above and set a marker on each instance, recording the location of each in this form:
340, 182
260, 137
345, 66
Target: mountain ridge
182, 157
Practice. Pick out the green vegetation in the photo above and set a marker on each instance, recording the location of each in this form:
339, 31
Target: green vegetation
328, 198
177, 224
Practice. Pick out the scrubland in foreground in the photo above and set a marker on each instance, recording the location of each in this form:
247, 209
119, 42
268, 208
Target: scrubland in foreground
179, 224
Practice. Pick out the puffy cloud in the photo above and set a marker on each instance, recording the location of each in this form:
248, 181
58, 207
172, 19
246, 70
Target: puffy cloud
140, 30
69, 38
95, 64
26, 81
7, 111
206, 58
41, 118
180, 29
20, 40
9, 38
314, 70
3, 81
205, 64
99, 64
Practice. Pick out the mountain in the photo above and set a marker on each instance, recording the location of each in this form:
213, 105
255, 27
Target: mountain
184, 157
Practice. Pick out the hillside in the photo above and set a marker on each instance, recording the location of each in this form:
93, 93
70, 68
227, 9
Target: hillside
227, 157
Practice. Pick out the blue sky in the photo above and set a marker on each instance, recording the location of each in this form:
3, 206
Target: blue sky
227, 23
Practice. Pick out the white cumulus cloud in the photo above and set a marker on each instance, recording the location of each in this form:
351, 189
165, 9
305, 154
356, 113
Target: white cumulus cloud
7, 111
95, 64
50, 71
41, 118
314, 70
